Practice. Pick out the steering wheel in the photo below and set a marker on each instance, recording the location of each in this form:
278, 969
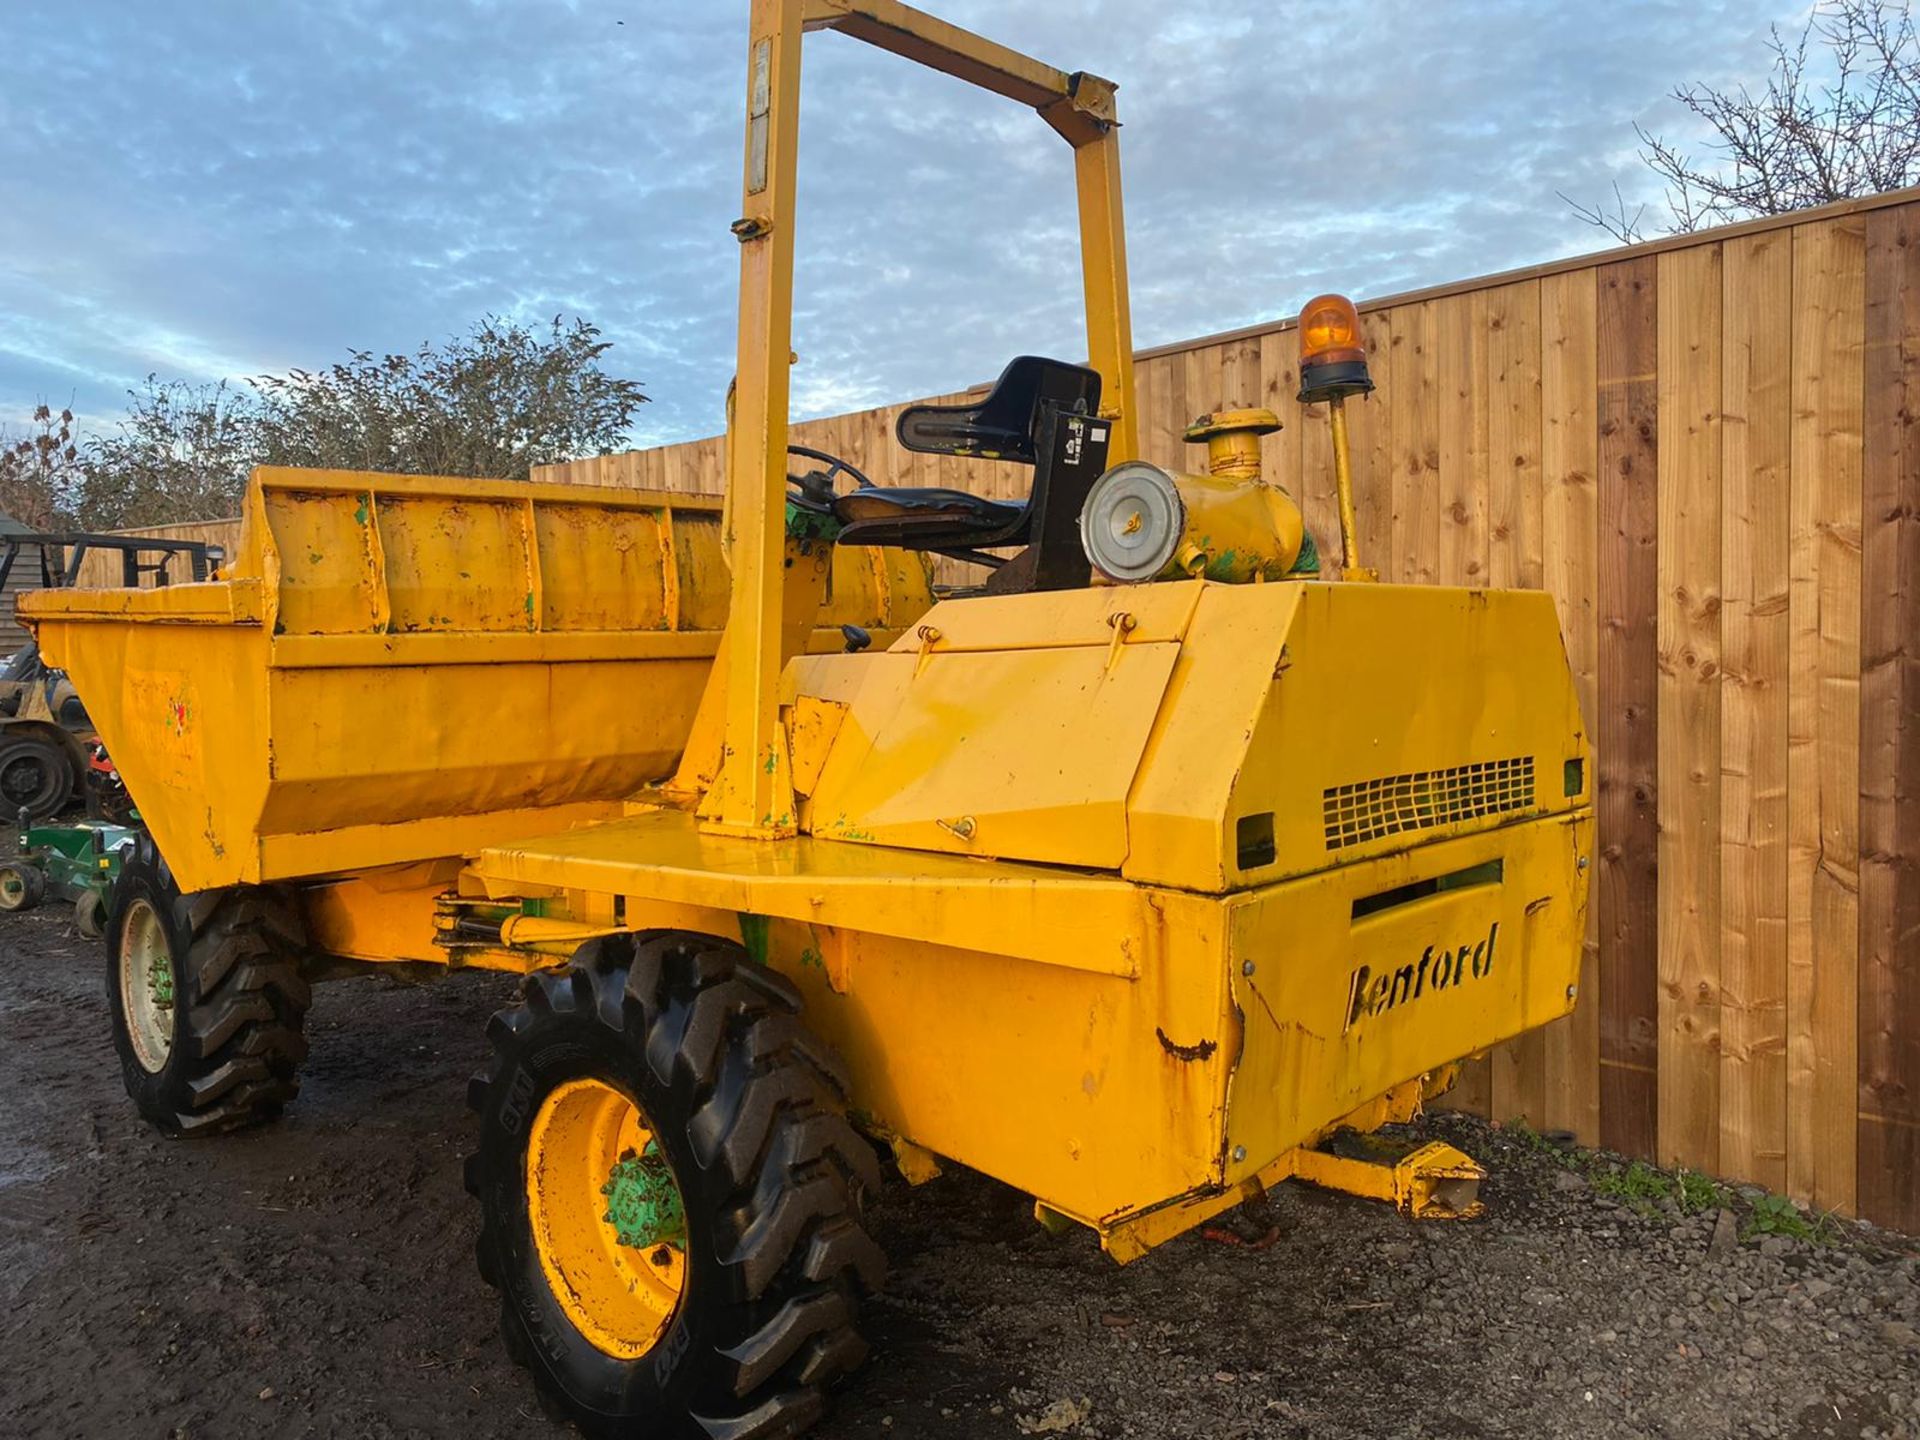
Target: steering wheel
815, 490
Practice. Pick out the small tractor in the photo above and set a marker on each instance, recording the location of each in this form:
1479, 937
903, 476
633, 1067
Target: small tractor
1131, 880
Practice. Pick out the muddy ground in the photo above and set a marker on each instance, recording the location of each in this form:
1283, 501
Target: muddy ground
316, 1279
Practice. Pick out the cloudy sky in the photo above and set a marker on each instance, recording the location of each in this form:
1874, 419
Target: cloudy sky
230, 187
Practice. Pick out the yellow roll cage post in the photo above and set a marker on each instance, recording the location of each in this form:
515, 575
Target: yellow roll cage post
752, 793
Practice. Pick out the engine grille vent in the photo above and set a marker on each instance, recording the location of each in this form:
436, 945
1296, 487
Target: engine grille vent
1427, 800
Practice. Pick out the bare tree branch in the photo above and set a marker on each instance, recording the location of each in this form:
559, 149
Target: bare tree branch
1838, 118
40, 472
1616, 222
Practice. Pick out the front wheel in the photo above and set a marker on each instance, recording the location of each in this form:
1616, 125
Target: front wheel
671, 1192
207, 999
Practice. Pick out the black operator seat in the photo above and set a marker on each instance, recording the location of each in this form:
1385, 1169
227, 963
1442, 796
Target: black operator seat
1016, 421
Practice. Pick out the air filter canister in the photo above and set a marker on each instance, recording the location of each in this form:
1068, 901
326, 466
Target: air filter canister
1133, 522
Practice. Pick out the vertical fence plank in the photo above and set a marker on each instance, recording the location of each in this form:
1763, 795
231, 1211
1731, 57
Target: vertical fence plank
707, 474
1625, 728
1239, 376
1206, 390
1422, 554
1515, 560
1149, 384
654, 470
1513, 441
1440, 493
1757, 325
1370, 422
1689, 287
676, 465
1889, 1026
1414, 402
1459, 346
1569, 460
1171, 411
877, 450
1824, 717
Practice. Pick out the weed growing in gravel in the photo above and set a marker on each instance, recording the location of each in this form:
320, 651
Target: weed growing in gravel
1700, 1193
1648, 1190
1559, 1152
1639, 1185
1777, 1215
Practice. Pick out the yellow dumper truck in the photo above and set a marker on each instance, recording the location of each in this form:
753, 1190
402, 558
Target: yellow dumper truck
1127, 878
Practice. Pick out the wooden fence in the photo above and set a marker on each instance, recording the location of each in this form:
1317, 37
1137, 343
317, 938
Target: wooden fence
101, 568
1705, 448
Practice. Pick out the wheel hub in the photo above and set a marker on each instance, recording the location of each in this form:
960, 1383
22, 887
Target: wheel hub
160, 982
643, 1203
23, 781
146, 985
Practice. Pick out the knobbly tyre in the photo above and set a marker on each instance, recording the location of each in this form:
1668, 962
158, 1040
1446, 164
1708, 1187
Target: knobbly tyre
1130, 878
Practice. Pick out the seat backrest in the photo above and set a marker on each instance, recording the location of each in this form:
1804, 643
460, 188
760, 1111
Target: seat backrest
1005, 425
1072, 456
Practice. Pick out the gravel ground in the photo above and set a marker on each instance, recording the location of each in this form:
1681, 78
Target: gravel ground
315, 1279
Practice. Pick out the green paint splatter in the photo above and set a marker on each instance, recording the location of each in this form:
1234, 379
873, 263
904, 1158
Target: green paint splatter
755, 934
1221, 567
811, 959
1308, 562
360, 515
811, 524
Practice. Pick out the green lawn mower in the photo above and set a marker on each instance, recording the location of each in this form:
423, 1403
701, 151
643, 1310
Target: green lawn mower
78, 863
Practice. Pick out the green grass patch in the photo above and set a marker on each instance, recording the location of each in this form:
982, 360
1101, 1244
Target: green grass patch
1639, 1185
1650, 1191
1700, 1193
1777, 1215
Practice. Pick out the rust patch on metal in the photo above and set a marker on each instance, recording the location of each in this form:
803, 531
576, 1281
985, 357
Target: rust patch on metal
1204, 1050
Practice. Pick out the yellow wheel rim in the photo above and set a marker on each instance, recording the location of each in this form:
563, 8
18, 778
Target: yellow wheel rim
618, 1278
146, 985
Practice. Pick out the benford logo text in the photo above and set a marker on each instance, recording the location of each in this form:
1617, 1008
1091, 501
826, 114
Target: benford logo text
1437, 969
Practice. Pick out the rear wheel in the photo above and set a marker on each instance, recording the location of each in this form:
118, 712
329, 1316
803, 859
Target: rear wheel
207, 999
670, 1194
22, 886
36, 776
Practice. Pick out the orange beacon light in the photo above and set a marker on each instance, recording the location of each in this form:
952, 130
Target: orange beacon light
1333, 358
1333, 365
